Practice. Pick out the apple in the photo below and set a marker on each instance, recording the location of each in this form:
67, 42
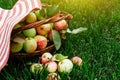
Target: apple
51, 66
31, 17
17, 44
41, 41
46, 57
50, 36
53, 76
43, 29
29, 45
16, 26
77, 60
29, 32
65, 66
36, 68
61, 25
52, 10
16, 47
39, 14
19, 38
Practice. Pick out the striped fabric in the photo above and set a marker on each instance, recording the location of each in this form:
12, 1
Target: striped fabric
8, 18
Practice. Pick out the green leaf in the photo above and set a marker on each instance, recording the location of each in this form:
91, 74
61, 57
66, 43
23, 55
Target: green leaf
56, 39
60, 57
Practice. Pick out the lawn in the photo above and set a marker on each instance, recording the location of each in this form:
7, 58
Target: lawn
99, 46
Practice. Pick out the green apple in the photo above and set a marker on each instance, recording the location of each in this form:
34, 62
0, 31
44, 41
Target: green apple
29, 32
39, 15
36, 68
52, 10
17, 44
65, 66
30, 45
18, 25
31, 17
16, 47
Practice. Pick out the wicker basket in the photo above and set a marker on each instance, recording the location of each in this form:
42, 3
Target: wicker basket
60, 16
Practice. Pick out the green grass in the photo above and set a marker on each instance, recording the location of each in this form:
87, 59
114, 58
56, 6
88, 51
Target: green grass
99, 46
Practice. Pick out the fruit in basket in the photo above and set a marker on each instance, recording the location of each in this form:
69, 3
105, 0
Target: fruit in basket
50, 36
29, 32
65, 66
31, 17
40, 14
43, 29
41, 41
52, 10
46, 57
29, 45
77, 60
51, 66
61, 25
17, 26
36, 68
16, 47
53, 76
17, 44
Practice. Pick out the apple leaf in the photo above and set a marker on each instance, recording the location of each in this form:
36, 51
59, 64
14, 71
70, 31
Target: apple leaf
56, 39
76, 31
60, 57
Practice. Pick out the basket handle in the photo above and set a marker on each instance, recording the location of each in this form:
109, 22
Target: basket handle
60, 16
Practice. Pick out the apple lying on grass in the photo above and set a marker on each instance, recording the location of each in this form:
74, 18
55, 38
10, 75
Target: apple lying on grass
77, 60
51, 66
41, 41
65, 66
29, 45
61, 25
46, 57
29, 32
53, 76
36, 68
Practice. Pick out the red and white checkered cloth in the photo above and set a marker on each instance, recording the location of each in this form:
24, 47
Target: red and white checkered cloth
8, 18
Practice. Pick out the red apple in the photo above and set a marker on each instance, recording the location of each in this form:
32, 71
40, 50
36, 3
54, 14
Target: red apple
61, 25
43, 29
46, 57
77, 60
16, 47
41, 41
50, 35
51, 66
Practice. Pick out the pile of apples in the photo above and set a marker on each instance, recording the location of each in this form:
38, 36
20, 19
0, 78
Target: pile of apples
39, 37
55, 63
